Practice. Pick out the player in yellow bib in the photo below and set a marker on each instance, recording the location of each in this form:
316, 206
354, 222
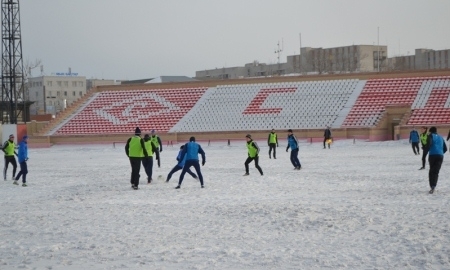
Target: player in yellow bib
253, 151
9, 148
158, 146
135, 150
272, 142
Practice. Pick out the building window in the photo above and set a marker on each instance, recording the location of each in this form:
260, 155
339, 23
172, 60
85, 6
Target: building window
49, 83
80, 84
81, 93
37, 94
49, 93
73, 93
74, 84
65, 93
66, 84
59, 83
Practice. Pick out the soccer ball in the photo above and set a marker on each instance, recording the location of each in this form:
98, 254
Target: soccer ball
160, 177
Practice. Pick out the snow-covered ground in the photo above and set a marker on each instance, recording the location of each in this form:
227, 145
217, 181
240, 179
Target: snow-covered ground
356, 206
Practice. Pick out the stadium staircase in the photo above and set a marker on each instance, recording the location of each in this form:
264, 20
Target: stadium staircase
64, 115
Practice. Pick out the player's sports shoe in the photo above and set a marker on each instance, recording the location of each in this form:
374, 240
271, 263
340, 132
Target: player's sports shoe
13, 178
246, 174
15, 182
24, 185
177, 187
203, 186
422, 168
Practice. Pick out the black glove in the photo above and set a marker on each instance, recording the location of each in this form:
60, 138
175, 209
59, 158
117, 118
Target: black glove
160, 150
277, 145
287, 149
203, 163
26, 159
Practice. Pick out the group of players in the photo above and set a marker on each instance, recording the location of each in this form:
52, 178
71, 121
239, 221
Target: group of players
9, 149
141, 150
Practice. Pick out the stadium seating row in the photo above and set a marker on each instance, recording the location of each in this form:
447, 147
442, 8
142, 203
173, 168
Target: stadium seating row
312, 104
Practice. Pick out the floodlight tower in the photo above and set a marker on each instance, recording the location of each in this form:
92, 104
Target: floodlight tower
12, 64
278, 52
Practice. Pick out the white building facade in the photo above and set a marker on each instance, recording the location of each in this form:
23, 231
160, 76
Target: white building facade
52, 94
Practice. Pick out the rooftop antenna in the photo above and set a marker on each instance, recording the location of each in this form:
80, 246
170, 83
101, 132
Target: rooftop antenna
279, 50
300, 54
378, 54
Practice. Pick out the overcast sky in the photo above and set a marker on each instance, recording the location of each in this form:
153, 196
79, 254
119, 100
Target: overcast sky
135, 39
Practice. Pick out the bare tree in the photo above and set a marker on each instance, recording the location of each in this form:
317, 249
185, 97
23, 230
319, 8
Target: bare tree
28, 66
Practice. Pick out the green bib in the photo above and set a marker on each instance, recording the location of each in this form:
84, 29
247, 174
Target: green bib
148, 147
252, 151
10, 149
423, 138
273, 138
154, 139
135, 148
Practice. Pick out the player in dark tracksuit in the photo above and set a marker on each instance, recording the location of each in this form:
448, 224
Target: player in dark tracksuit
158, 149
147, 162
23, 158
180, 166
326, 136
135, 150
272, 142
425, 147
414, 140
191, 150
253, 151
293, 144
437, 149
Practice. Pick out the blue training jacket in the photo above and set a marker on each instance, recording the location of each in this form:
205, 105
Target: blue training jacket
437, 146
181, 161
414, 136
23, 151
191, 151
292, 142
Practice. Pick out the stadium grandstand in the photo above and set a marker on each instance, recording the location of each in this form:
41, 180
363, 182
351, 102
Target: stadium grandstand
375, 107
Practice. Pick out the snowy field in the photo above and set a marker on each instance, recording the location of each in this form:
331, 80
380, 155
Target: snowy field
356, 206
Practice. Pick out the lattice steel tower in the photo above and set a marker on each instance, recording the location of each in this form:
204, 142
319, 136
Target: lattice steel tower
13, 98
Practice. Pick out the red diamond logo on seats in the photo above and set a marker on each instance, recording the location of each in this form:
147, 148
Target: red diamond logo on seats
122, 111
